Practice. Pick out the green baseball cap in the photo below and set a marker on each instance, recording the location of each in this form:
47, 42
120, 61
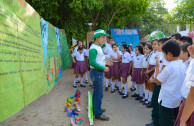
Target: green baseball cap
98, 33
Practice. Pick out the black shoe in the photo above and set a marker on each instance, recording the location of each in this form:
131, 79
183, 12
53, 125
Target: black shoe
149, 106
103, 118
135, 95
113, 91
151, 124
74, 85
143, 100
125, 96
121, 93
77, 81
82, 85
146, 103
139, 98
86, 82
106, 89
109, 85
133, 89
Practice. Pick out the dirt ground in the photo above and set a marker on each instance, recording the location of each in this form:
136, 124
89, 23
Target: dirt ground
48, 109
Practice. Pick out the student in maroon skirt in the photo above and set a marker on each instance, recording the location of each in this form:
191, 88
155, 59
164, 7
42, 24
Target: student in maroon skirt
115, 72
124, 70
137, 72
80, 67
150, 71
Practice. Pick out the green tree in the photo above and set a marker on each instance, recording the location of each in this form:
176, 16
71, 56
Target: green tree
74, 15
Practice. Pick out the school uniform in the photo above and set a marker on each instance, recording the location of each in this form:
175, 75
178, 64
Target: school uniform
156, 91
80, 66
137, 68
187, 62
152, 63
171, 77
124, 70
116, 64
108, 50
145, 65
188, 82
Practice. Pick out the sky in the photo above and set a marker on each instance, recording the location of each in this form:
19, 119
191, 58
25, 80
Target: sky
170, 4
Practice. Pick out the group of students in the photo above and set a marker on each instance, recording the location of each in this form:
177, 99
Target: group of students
158, 73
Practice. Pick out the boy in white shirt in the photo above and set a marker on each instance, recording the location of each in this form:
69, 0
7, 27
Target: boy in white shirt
171, 79
184, 55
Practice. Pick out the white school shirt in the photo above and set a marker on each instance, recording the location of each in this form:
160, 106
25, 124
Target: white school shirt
132, 54
126, 57
79, 56
187, 62
152, 58
86, 52
138, 61
162, 62
172, 77
108, 49
145, 61
189, 80
115, 55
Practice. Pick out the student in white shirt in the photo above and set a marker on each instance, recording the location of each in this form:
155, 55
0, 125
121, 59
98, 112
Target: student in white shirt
137, 72
171, 79
186, 111
108, 51
115, 73
184, 55
80, 67
125, 66
156, 91
151, 68
147, 51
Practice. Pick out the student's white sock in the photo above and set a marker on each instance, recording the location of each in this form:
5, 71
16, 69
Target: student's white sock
137, 89
78, 78
113, 85
125, 88
119, 85
90, 80
150, 96
82, 80
133, 84
86, 76
116, 83
107, 80
75, 81
110, 80
141, 86
146, 94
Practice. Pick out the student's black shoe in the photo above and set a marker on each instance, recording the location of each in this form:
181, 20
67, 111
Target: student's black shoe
146, 103
82, 85
149, 106
74, 85
91, 85
133, 89
106, 89
77, 81
143, 100
109, 85
86, 82
125, 96
139, 98
121, 93
151, 124
112, 91
134, 95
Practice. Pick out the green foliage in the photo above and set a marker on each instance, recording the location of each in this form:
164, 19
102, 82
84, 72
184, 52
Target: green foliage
74, 15
184, 12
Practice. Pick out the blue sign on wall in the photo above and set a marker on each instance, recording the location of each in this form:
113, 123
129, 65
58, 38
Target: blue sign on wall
125, 36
